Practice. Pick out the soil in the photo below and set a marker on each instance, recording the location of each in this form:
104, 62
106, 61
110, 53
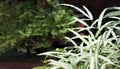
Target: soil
19, 65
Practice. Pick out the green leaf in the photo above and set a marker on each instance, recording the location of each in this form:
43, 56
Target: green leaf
112, 14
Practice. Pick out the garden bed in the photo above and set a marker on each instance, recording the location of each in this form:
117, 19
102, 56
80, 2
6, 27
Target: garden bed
19, 65
20, 62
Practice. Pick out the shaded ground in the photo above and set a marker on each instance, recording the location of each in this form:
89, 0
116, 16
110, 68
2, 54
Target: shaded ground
20, 62
19, 65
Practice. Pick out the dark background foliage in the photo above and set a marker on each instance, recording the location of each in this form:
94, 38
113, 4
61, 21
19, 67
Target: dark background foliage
29, 26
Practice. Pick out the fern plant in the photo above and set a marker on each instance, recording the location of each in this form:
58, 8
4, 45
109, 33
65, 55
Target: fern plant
99, 50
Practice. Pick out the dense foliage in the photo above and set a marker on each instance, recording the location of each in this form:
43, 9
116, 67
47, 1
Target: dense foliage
27, 27
100, 50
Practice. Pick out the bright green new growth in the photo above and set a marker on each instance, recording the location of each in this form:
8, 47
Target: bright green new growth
100, 50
